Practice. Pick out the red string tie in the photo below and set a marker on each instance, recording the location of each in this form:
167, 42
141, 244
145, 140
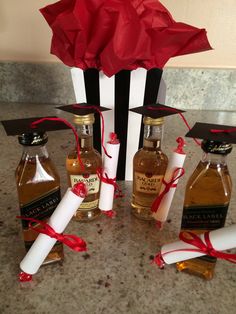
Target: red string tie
109, 213
205, 248
105, 179
35, 123
178, 173
72, 241
180, 147
24, 277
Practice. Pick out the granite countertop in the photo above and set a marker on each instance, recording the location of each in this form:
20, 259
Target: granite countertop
115, 275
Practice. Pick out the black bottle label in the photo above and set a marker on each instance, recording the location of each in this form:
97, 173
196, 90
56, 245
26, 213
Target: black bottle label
41, 208
205, 218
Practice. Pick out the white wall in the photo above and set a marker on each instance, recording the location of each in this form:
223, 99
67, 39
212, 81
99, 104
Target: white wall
25, 35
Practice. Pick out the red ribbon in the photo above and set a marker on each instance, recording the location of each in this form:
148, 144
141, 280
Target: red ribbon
72, 241
113, 138
24, 277
181, 115
112, 181
103, 124
181, 143
109, 213
205, 248
178, 173
35, 123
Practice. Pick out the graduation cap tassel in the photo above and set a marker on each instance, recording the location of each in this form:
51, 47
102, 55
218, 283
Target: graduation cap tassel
35, 123
181, 115
103, 124
223, 131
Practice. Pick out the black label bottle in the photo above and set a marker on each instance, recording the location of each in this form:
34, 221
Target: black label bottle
149, 167
38, 186
206, 202
92, 161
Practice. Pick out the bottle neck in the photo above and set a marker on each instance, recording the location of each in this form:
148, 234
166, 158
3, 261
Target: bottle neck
152, 136
85, 134
214, 159
33, 151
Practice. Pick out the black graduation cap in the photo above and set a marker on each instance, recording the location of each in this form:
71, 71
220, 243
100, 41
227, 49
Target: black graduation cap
213, 132
83, 109
156, 111
23, 126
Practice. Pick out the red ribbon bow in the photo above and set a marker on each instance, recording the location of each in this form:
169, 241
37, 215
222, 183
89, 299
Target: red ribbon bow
112, 181
201, 247
205, 247
168, 185
72, 241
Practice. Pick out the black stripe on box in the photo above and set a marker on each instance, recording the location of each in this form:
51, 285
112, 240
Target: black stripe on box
122, 90
152, 85
91, 81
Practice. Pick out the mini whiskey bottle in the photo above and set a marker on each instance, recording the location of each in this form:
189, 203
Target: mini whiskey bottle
91, 160
207, 198
149, 167
38, 186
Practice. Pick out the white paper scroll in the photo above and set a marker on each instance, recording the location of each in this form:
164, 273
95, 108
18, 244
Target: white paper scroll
58, 221
176, 161
221, 239
109, 167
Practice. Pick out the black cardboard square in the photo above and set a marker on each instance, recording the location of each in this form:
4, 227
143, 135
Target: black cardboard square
156, 111
214, 132
81, 111
21, 126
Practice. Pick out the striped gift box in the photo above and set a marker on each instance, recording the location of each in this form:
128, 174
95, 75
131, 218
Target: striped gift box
121, 92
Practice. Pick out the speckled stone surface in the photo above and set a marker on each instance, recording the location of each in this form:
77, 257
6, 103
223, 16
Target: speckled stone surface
189, 88
116, 274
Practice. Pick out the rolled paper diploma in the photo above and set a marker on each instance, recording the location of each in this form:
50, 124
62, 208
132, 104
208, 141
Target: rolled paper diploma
221, 239
176, 161
58, 221
109, 170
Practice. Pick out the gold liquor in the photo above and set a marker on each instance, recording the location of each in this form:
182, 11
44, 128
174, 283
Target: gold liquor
149, 167
38, 186
92, 161
206, 202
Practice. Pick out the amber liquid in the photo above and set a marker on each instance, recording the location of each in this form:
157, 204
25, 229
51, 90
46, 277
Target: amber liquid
209, 187
149, 167
36, 177
92, 161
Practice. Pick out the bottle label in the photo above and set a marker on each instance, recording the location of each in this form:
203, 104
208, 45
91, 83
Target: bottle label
204, 217
89, 205
41, 208
147, 183
91, 180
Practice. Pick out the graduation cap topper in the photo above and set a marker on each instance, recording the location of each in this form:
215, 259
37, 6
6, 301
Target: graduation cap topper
82, 109
25, 126
156, 111
213, 132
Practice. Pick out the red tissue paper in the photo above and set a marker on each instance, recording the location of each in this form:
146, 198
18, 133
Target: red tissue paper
114, 35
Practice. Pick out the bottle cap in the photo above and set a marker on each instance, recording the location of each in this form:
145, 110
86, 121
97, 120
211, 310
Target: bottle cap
217, 138
154, 114
24, 126
33, 139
